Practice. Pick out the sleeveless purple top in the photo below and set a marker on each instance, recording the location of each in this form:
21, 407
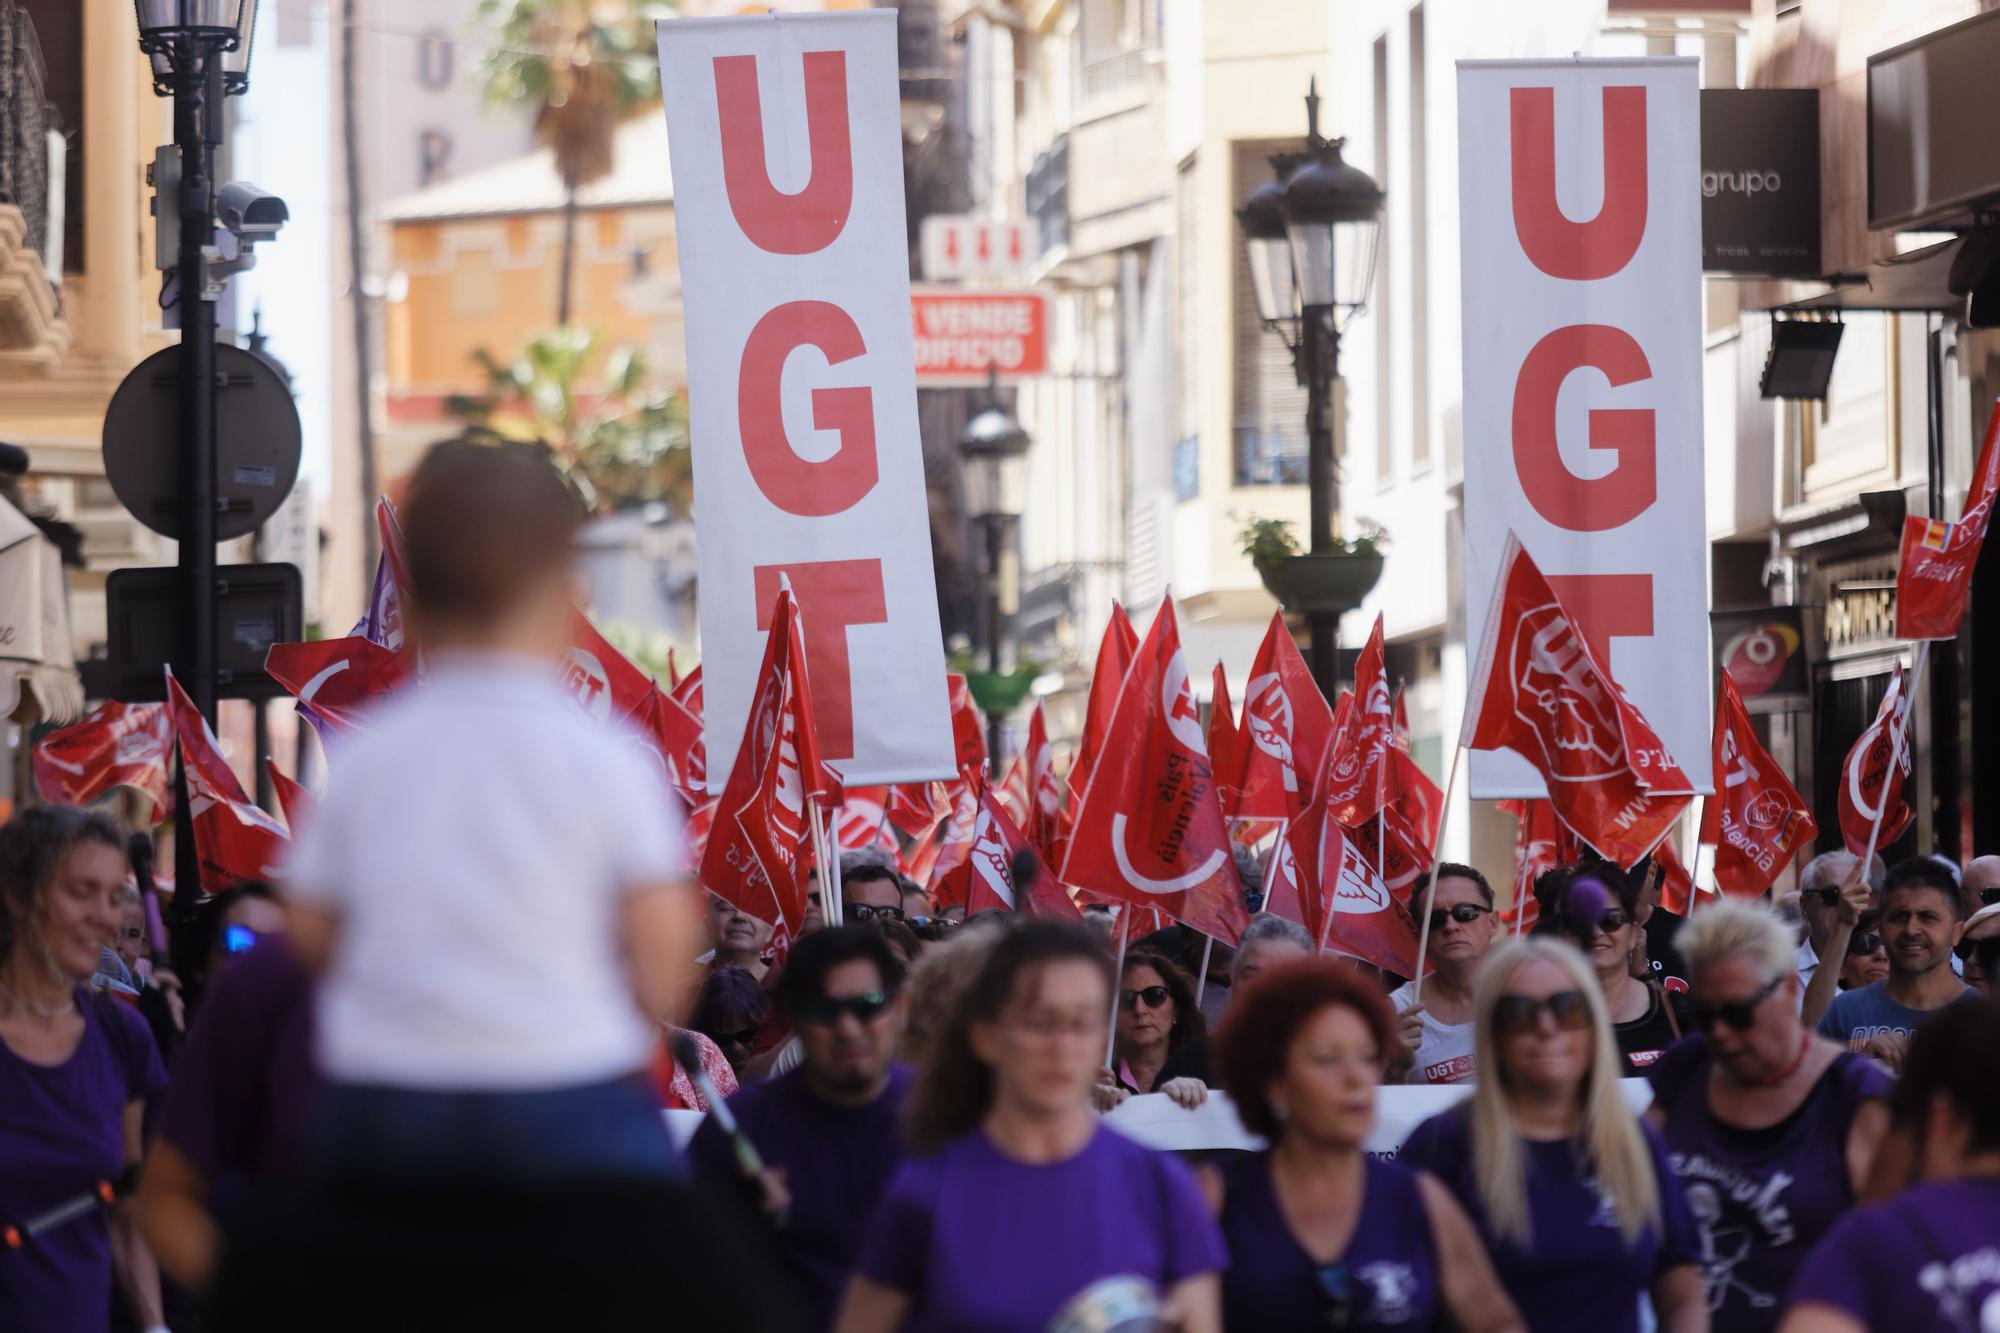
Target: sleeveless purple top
1761, 1198
1387, 1278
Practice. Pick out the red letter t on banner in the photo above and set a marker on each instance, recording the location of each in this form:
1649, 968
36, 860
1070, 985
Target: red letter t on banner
832, 595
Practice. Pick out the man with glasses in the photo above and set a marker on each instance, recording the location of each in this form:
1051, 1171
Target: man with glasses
1979, 951
1922, 921
1980, 887
871, 888
1820, 904
1437, 1034
829, 1131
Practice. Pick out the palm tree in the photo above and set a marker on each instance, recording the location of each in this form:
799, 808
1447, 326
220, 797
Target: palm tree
620, 442
581, 66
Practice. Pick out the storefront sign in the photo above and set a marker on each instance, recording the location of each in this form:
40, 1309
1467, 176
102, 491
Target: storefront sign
788, 157
1760, 211
1763, 650
962, 337
1581, 272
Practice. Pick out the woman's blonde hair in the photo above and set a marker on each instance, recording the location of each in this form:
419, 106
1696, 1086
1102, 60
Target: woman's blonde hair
1733, 929
1614, 1146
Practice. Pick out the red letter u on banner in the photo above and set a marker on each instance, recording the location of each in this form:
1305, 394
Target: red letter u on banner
1582, 251
1559, 495
786, 224
810, 490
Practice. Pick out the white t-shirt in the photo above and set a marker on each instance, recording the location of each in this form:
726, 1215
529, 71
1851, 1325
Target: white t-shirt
476, 841
1445, 1053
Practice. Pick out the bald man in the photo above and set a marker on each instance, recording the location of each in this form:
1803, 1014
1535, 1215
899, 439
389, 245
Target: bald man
1980, 885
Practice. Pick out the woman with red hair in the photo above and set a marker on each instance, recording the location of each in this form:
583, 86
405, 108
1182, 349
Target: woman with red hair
1321, 1235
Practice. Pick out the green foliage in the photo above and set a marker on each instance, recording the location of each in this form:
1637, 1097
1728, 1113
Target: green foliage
620, 441
1267, 542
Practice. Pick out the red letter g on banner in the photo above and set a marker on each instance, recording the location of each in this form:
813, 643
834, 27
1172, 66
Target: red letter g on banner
810, 490
1559, 495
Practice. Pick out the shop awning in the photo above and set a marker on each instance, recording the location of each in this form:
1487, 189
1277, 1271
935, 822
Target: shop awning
1918, 280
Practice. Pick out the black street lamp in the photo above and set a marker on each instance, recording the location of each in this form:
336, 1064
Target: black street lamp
995, 449
1312, 234
200, 52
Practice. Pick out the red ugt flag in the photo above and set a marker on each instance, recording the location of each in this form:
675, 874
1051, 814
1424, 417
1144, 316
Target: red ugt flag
293, 799
1114, 659
1934, 573
1871, 778
1225, 745
338, 680
1755, 821
118, 745
1150, 831
1352, 910
997, 848
1358, 763
1045, 789
1287, 726
1540, 691
233, 839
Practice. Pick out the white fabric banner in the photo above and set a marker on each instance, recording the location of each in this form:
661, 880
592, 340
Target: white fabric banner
785, 134
1580, 235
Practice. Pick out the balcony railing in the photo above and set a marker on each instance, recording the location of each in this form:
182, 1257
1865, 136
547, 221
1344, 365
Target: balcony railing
1266, 457
25, 121
1119, 76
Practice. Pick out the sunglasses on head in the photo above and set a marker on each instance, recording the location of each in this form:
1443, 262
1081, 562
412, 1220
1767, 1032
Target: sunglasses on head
1151, 996
1740, 1015
861, 914
827, 1009
1463, 913
1515, 1015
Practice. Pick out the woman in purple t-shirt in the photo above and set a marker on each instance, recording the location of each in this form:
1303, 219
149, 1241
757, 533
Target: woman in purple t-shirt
1927, 1261
1019, 1200
1571, 1193
1322, 1235
1770, 1128
75, 1069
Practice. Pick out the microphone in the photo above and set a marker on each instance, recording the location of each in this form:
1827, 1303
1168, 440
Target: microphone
688, 1057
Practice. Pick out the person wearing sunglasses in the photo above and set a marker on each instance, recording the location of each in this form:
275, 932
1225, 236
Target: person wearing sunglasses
1824, 882
1979, 950
871, 888
1157, 1016
1323, 1235
1573, 1195
830, 1130
1867, 960
1604, 922
1772, 1129
1979, 886
728, 1010
1016, 1198
1922, 923
1437, 1034
1927, 1260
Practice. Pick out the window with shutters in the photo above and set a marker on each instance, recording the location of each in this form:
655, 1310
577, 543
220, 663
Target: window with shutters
1269, 410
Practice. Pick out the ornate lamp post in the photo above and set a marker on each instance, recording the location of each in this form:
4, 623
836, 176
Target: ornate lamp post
995, 448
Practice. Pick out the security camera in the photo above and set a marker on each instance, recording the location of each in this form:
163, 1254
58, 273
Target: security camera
250, 211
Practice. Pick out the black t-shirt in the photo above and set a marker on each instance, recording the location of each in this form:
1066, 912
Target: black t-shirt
1643, 1040
1669, 968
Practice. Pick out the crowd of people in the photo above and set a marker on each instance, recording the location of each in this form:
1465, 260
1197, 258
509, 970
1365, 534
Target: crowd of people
420, 1082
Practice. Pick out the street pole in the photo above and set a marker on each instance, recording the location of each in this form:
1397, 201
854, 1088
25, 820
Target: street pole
993, 523
1319, 352
197, 131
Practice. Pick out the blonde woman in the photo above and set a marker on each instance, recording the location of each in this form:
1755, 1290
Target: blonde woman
1571, 1194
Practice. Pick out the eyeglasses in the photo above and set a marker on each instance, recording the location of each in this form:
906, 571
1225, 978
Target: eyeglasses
1740, 1015
1337, 1288
1517, 1015
861, 914
1463, 913
131, 933
238, 939
740, 1037
1988, 897
1151, 996
826, 1010
1614, 919
941, 922
1827, 896
1869, 943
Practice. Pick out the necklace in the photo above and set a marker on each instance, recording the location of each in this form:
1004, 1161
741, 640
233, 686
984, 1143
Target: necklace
47, 1013
1805, 1046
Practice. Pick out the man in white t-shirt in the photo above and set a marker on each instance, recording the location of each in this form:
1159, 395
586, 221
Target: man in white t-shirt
494, 887
1437, 1034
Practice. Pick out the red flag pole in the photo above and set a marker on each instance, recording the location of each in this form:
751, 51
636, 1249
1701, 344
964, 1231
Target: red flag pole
1895, 752
1117, 979
1431, 888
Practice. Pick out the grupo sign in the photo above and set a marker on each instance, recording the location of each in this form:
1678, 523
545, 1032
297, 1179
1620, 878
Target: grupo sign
788, 169
962, 337
1580, 227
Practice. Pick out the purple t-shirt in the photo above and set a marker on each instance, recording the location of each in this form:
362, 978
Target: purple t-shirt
838, 1162
1761, 1198
1578, 1272
62, 1131
1927, 1261
982, 1242
243, 1086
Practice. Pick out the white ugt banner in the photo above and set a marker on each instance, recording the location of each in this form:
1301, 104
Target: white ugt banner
785, 134
1580, 236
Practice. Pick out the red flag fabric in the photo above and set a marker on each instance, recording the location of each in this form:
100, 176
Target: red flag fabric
1045, 789
1286, 728
117, 745
949, 881
1150, 830
1406, 826
1872, 777
968, 731
1677, 887
294, 800
674, 670
1361, 916
1400, 735
860, 821
763, 818
382, 623
340, 680
604, 681
1286, 893
1225, 746
997, 843
914, 807
234, 840
675, 733
1934, 573
921, 858
1012, 791
1756, 821
1541, 843
1358, 758
1540, 690
1107, 677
